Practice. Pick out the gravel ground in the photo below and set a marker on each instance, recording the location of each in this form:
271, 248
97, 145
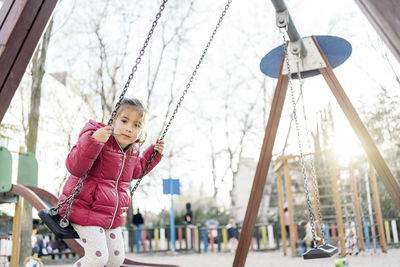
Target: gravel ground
255, 259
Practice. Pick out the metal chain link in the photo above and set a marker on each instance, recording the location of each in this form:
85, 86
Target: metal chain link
302, 159
183, 93
312, 162
137, 62
53, 211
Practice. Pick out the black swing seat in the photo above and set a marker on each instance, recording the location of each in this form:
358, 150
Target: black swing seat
53, 222
323, 251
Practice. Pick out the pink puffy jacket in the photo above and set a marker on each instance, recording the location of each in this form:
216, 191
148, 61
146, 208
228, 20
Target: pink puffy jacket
105, 195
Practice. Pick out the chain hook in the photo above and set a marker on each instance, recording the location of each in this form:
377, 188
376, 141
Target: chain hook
64, 222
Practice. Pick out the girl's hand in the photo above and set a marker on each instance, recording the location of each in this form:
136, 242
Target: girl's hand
102, 134
159, 147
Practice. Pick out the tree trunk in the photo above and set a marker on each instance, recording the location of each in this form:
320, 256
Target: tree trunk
233, 196
269, 184
129, 216
38, 70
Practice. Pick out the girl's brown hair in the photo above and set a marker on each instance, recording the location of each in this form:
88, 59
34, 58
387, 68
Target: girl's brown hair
138, 106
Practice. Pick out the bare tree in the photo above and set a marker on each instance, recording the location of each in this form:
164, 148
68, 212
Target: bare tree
37, 71
213, 157
235, 150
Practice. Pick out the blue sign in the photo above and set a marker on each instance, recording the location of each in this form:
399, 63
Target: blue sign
171, 186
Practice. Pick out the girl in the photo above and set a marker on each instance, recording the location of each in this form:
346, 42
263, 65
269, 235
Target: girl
112, 155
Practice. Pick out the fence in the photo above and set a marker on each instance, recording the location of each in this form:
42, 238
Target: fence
196, 238
369, 233
5, 241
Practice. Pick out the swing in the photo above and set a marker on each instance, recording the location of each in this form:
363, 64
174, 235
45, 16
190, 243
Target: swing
325, 250
61, 226
297, 48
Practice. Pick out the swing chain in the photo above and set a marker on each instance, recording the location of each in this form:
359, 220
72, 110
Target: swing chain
137, 62
312, 162
75, 191
302, 158
53, 211
196, 69
183, 93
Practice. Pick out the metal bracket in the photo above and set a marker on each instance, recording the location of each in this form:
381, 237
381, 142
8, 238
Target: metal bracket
312, 61
282, 19
295, 47
8, 198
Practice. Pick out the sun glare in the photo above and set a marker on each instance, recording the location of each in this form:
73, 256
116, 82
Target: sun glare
346, 146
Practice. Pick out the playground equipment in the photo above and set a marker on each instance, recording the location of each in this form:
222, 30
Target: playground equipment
22, 24
323, 67
383, 15
339, 189
27, 175
30, 18
39, 199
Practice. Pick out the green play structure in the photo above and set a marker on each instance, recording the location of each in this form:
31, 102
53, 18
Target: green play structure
5, 170
27, 170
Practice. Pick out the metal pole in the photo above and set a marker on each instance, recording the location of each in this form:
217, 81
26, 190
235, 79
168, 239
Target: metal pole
283, 20
371, 216
172, 215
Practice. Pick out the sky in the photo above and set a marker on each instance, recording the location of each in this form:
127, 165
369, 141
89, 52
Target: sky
360, 75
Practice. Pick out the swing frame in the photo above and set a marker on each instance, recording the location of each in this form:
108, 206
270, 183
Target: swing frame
269, 139
375, 15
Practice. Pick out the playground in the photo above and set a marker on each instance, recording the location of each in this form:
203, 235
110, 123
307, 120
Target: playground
257, 259
314, 203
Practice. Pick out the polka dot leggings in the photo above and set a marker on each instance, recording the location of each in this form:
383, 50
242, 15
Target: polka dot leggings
102, 247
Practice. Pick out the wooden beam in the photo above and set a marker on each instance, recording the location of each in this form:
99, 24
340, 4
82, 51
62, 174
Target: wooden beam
392, 186
359, 228
289, 201
261, 171
22, 25
384, 17
377, 207
16, 235
5, 9
338, 208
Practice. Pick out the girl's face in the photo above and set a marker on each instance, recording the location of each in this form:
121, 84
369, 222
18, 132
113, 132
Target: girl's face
127, 127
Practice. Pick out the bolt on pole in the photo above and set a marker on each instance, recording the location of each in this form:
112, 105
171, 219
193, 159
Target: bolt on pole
283, 20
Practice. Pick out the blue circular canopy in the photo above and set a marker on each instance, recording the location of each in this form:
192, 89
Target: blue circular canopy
337, 50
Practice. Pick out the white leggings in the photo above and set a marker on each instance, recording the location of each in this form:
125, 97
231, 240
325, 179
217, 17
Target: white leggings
102, 247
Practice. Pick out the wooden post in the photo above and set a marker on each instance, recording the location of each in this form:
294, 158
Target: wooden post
16, 235
356, 204
290, 207
261, 171
338, 209
281, 214
392, 186
384, 17
377, 207
22, 25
